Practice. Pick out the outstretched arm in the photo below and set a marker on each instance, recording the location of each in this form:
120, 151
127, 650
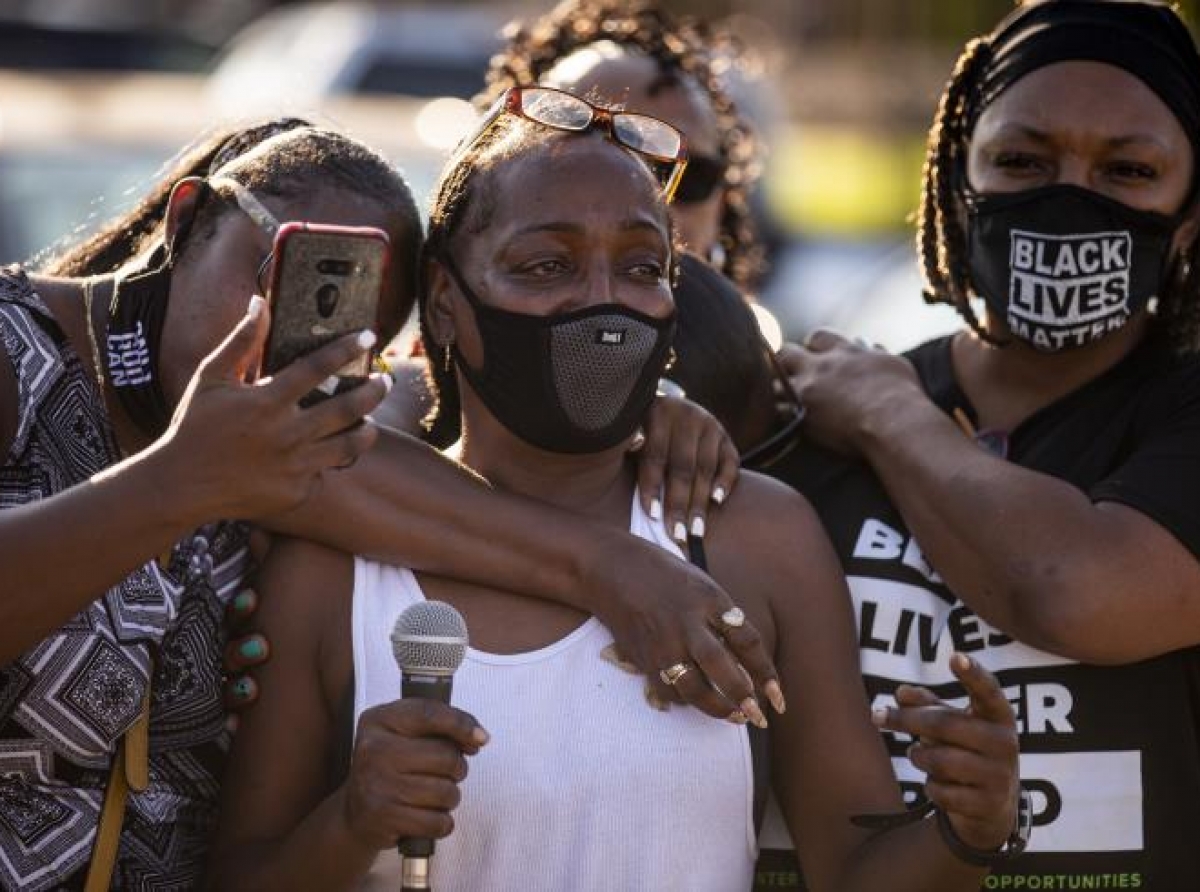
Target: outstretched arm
828, 760
1033, 555
233, 450
403, 503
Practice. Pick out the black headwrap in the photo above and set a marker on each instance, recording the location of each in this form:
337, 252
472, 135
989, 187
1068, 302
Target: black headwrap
1147, 39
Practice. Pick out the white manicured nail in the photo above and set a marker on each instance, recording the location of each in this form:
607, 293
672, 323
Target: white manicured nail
718, 494
680, 531
257, 305
698, 527
329, 385
655, 509
366, 339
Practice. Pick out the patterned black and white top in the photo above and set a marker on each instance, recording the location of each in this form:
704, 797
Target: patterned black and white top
66, 702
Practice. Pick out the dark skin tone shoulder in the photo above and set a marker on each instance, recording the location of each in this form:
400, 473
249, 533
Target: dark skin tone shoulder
1097, 582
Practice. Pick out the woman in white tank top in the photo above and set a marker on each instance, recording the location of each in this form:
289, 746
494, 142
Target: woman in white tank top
547, 316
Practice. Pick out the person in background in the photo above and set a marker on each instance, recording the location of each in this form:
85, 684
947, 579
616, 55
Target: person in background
635, 54
120, 463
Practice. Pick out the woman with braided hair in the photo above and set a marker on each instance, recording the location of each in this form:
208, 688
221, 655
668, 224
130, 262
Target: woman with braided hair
1058, 540
634, 53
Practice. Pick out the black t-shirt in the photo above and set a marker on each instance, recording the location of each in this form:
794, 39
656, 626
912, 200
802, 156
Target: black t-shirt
1111, 755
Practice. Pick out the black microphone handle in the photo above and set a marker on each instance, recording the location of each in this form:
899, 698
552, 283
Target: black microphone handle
416, 851
426, 687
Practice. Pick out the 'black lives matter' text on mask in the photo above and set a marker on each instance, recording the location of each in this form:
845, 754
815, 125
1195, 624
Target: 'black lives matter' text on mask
1064, 265
570, 382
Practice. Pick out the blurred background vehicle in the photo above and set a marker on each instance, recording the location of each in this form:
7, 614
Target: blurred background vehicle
314, 50
95, 95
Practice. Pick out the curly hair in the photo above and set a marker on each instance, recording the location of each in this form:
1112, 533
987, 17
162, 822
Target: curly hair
680, 46
941, 235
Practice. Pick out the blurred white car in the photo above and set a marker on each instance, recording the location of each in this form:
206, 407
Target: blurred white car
308, 52
77, 149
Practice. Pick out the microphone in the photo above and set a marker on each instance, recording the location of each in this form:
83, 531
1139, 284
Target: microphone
429, 642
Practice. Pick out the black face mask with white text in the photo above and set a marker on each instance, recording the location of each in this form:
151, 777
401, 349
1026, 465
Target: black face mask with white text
1063, 265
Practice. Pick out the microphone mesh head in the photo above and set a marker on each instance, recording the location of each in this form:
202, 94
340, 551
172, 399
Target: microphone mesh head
430, 636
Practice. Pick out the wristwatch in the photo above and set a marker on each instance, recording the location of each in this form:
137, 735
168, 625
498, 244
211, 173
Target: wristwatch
1013, 846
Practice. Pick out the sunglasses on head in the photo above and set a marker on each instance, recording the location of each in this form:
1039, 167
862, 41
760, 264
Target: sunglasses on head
656, 142
701, 179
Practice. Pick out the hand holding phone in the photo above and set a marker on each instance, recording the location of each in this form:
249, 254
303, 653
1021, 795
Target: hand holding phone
326, 282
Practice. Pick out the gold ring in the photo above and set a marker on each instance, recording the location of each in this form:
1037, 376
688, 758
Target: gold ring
672, 674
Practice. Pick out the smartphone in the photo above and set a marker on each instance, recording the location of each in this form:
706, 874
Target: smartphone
326, 282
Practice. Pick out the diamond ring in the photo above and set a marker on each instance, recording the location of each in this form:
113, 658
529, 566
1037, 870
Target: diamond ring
733, 618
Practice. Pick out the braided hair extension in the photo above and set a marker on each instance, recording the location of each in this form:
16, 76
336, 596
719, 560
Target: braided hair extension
128, 235
680, 46
459, 193
941, 239
941, 235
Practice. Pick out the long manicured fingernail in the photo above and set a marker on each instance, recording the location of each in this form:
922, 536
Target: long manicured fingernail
753, 712
775, 694
387, 380
961, 662
879, 716
655, 509
698, 527
679, 531
256, 306
738, 717
329, 386
252, 649
243, 688
718, 494
244, 602
366, 339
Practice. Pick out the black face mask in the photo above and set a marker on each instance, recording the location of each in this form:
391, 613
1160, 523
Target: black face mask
1063, 265
572, 382
133, 341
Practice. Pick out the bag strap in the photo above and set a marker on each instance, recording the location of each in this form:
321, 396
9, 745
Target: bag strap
130, 771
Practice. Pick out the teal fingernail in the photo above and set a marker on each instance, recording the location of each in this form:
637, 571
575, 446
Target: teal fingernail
244, 601
243, 689
252, 649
